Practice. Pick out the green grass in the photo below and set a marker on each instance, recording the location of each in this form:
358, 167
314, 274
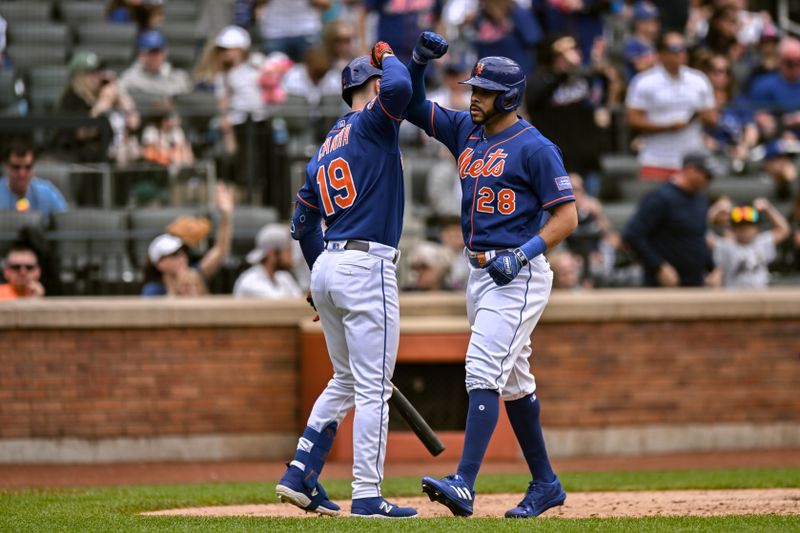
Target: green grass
116, 509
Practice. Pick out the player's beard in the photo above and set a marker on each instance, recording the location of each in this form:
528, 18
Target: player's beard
484, 117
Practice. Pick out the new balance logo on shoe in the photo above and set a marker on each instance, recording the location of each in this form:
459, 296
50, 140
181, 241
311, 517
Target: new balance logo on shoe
385, 507
463, 493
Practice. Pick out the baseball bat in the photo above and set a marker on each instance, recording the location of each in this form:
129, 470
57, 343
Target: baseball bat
415, 421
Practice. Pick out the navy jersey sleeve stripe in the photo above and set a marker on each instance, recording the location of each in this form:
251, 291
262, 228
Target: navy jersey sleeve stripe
553, 203
398, 119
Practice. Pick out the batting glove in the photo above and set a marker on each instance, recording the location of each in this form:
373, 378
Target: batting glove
380, 49
505, 266
429, 46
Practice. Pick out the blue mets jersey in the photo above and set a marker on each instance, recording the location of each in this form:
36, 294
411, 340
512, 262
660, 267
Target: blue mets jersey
355, 179
508, 180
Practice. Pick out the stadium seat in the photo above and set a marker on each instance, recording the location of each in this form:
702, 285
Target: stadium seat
58, 173
92, 245
116, 57
76, 13
8, 96
95, 33
45, 86
29, 55
619, 213
12, 221
39, 34
177, 11
25, 12
179, 33
182, 55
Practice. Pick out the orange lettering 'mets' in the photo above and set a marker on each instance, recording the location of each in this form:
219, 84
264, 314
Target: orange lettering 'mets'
493, 165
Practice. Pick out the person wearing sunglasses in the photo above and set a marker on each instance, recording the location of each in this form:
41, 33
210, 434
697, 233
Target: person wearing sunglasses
20, 190
663, 104
21, 272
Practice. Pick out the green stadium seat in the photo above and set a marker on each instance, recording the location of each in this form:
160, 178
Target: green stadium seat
42, 35
76, 13
25, 12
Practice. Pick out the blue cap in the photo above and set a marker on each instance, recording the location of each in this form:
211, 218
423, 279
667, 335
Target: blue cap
151, 40
644, 11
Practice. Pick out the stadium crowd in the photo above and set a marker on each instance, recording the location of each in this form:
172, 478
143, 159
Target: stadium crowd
679, 122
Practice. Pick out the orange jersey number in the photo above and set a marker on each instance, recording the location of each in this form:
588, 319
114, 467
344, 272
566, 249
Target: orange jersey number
339, 177
506, 201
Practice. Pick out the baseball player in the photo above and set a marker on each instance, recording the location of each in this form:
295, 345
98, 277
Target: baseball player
354, 182
517, 201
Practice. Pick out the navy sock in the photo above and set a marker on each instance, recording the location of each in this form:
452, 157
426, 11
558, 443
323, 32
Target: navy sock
484, 408
524, 417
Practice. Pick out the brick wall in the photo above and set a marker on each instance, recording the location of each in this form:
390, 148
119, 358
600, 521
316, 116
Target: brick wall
95, 384
627, 373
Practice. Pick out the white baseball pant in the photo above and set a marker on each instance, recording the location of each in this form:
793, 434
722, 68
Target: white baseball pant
357, 300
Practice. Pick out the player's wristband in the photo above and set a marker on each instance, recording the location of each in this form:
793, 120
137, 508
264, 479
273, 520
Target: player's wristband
532, 248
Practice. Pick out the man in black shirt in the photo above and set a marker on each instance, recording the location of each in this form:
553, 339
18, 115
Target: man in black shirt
668, 230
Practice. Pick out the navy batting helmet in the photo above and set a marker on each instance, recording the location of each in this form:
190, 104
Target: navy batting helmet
355, 74
502, 75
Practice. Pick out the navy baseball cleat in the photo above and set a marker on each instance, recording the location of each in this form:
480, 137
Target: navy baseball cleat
292, 490
379, 508
539, 497
451, 491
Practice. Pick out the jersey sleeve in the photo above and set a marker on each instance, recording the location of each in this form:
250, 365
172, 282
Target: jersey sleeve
548, 177
444, 125
307, 195
381, 118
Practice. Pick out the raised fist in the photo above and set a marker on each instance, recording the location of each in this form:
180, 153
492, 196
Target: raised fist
380, 49
429, 46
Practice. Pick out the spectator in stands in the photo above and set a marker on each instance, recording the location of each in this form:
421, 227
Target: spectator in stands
639, 49
5, 61
452, 238
271, 260
563, 92
290, 26
794, 249
567, 268
736, 133
21, 272
668, 231
338, 40
504, 28
399, 23
95, 92
722, 36
151, 74
187, 283
146, 14
777, 100
164, 141
663, 105
313, 78
767, 58
429, 263
583, 19
593, 240
453, 94
20, 190
167, 255
744, 257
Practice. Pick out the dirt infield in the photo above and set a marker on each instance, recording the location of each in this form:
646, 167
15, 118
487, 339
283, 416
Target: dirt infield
578, 505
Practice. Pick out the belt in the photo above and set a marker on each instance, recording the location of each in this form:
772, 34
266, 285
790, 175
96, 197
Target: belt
481, 259
380, 250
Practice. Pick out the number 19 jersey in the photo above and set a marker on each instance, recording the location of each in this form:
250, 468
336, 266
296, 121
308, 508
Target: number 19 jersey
356, 178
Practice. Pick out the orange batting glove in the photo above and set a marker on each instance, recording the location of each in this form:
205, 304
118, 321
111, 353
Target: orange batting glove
380, 50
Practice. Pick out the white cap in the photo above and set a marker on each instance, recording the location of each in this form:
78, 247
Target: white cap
162, 246
270, 237
233, 37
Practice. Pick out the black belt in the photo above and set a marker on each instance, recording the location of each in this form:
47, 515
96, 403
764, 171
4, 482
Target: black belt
359, 246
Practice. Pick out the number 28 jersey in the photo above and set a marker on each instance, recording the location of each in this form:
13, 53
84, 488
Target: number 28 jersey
356, 178
508, 180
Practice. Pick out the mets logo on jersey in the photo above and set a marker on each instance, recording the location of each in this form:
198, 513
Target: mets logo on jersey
492, 165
